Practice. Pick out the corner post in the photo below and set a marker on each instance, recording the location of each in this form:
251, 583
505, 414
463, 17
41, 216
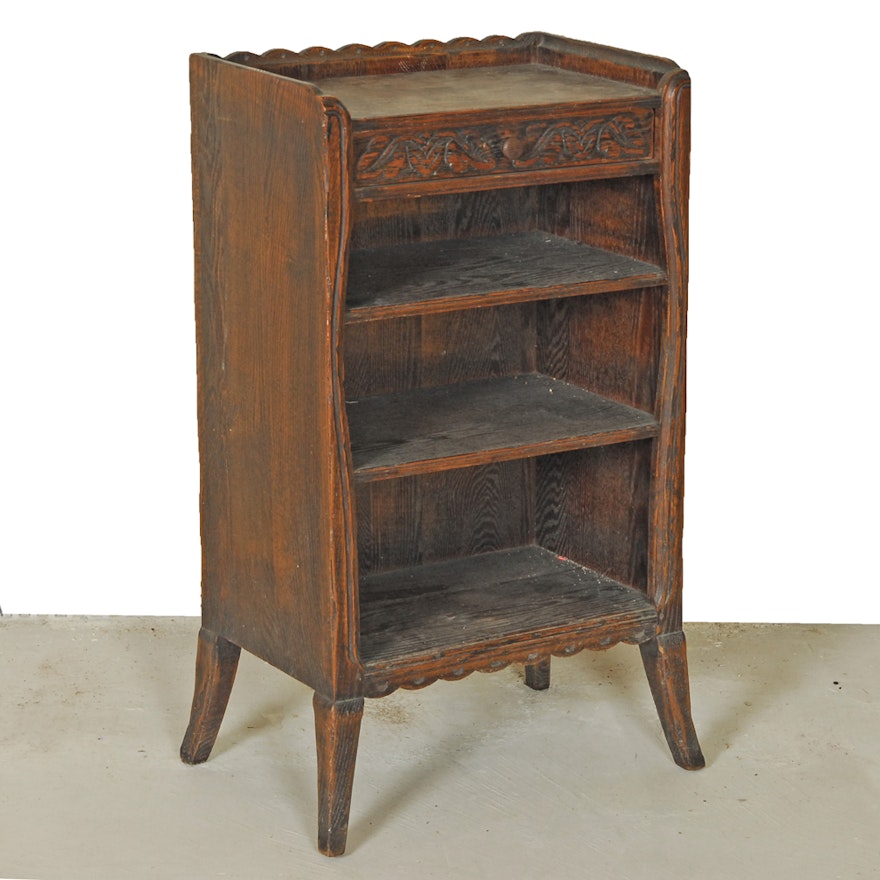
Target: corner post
665, 656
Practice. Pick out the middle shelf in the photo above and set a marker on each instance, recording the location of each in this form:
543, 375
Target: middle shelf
484, 421
436, 276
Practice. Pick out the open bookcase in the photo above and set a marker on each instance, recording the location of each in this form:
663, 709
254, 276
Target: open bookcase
441, 295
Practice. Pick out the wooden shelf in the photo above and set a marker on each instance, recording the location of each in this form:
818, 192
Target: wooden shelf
505, 87
474, 423
324, 180
486, 601
440, 276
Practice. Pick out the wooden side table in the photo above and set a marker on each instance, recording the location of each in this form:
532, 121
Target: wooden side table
440, 298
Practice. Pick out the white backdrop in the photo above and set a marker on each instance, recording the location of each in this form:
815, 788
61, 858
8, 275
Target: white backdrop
99, 450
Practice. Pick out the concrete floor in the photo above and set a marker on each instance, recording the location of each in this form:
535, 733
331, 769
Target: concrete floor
481, 778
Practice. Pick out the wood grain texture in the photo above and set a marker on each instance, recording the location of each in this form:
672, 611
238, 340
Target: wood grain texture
344, 669
441, 371
473, 78
516, 178
216, 664
319, 62
617, 215
337, 729
592, 506
497, 89
427, 351
479, 272
608, 344
444, 515
667, 494
446, 612
263, 278
475, 422
444, 217
665, 660
618, 64
515, 143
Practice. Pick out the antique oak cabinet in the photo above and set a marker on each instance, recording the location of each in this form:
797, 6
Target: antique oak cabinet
440, 301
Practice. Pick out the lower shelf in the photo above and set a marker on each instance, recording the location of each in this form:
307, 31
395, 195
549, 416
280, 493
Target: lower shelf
491, 605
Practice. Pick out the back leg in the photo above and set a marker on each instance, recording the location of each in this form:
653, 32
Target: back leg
538, 674
216, 663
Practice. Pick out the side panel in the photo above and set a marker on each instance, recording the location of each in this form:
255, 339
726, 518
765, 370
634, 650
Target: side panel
271, 502
667, 512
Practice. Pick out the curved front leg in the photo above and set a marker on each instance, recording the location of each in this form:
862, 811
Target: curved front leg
337, 730
665, 661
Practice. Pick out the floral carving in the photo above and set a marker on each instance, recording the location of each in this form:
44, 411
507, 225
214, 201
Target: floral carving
620, 137
425, 155
389, 158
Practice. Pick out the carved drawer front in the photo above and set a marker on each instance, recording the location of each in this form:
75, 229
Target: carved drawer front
503, 148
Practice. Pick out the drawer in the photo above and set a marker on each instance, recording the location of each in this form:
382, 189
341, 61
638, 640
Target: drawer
503, 147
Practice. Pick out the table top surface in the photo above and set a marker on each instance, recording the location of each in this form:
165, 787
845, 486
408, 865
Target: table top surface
474, 89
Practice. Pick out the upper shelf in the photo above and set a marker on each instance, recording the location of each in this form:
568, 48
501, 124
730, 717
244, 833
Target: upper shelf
440, 276
501, 88
471, 114
318, 63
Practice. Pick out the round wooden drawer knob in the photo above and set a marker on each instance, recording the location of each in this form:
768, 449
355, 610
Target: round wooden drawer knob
512, 148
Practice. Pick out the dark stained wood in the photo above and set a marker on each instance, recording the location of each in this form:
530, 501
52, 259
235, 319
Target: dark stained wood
317, 62
500, 88
667, 491
421, 186
446, 216
264, 276
427, 351
443, 611
444, 515
337, 729
537, 675
216, 664
607, 344
474, 422
479, 272
427, 149
592, 506
665, 660
440, 310
617, 64
617, 215
473, 81
357, 59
